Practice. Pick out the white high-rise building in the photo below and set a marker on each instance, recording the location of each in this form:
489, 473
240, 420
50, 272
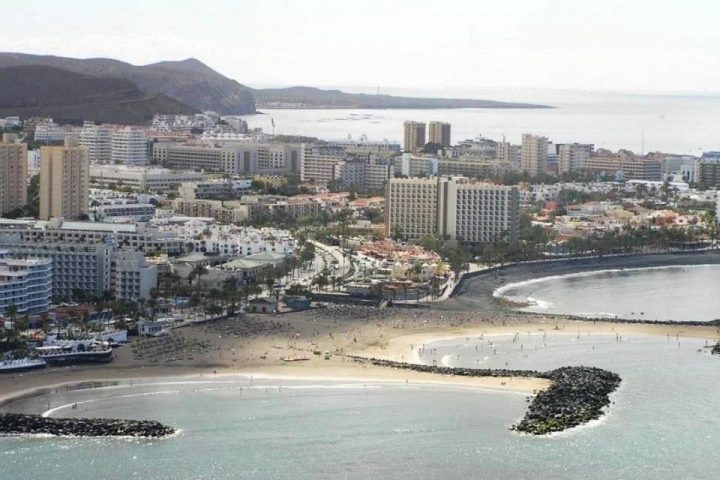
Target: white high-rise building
534, 154
97, 139
129, 146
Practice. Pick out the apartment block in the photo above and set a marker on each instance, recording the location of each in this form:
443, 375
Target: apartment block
534, 154
439, 133
129, 147
97, 139
321, 163
64, 181
413, 136
573, 157
13, 174
411, 207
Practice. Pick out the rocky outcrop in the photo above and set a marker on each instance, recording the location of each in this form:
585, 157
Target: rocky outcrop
13, 423
716, 349
576, 395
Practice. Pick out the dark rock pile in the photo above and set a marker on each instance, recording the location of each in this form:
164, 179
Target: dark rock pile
576, 395
13, 423
716, 349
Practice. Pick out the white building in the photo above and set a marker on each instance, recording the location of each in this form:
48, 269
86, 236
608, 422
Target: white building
97, 139
142, 178
131, 277
129, 147
25, 283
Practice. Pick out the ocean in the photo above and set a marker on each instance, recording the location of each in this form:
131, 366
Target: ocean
681, 124
675, 293
662, 423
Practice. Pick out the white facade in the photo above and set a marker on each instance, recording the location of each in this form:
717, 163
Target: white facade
142, 178
25, 283
573, 157
97, 139
132, 278
129, 147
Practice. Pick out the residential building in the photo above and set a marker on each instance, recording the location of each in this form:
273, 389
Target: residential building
220, 189
13, 174
439, 133
97, 139
414, 136
534, 154
128, 211
136, 236
708, 169
507, 152
625, 164
142, 179
201, 157
129, 147
409, 165
473, 167
131, 277
453, 208
411, 207
320, 163
365, 174
25, 283
64, 181
573, 157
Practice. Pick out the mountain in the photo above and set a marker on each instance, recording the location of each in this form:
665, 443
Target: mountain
308, 97
61, 94
190, 81
192, 85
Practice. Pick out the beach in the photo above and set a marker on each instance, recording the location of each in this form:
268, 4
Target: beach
392, 334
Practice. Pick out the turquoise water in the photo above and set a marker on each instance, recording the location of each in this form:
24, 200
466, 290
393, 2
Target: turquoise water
678, 293
663, 423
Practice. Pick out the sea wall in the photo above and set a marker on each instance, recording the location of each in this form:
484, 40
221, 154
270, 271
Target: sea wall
14, 423
576, 395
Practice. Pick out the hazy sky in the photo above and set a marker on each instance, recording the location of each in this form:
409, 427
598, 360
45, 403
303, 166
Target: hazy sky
630, 45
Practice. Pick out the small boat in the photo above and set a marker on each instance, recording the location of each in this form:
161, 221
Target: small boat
21, 365
294, 358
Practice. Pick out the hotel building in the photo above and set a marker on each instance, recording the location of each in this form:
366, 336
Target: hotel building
453, 208
25, 283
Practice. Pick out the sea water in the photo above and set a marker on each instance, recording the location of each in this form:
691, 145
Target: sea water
674, 293
682, 124
662, 424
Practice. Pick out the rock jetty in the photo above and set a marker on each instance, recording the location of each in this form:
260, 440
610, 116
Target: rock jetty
576, 395
13, 423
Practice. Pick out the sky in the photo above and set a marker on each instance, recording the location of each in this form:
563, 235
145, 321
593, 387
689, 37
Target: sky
606, 45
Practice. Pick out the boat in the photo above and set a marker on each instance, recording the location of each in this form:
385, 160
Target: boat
21, 365
294, 358
73, 353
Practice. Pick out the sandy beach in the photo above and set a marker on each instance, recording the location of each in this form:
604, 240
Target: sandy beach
209, 351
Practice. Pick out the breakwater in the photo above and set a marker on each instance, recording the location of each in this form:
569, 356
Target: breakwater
576, 395
13, 423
